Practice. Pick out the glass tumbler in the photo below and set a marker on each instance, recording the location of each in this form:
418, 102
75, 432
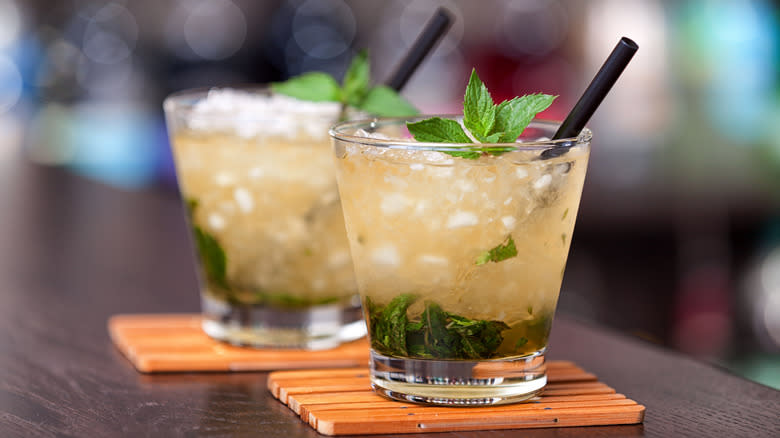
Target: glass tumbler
255, 171
459, 253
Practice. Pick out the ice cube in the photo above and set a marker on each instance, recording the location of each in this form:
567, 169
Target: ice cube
396, 181
223, 179
441, 171
437, 157
338, 259
376, 135
462, 219
394, 203
420, 208
216, 222
509, 222
431, 259
465, 185
521, 173
386, 256
417, 166
543, 181
255, 172
244, 199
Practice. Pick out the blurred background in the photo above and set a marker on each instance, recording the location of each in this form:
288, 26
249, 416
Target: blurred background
678, 237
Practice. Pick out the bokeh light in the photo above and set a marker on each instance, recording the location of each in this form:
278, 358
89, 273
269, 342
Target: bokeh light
10, 22
10, 84
206, 29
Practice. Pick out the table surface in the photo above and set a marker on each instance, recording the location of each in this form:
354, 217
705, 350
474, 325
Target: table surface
75, 252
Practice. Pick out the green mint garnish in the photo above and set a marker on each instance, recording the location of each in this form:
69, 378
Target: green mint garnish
388, 323
437, 334
479, 112
355, 91
487, 123
212, 256
356, 79
438, 130
384, 101
501, 252
314, 87
513, 116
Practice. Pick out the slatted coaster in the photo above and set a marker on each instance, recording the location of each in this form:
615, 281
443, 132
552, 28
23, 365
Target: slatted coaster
176, 343
340, 402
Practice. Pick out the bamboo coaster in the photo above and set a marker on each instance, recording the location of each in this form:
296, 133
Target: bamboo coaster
176, 343
340, 402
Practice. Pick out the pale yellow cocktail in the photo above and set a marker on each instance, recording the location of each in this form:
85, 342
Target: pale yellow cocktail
458, 260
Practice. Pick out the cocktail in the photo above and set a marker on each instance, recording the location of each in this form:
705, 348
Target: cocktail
459, 249
256, 173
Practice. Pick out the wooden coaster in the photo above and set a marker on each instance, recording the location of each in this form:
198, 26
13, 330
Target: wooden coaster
340, 402
176, 343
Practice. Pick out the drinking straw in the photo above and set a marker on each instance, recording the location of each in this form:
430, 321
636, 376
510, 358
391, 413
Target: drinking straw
435, 28
598, 89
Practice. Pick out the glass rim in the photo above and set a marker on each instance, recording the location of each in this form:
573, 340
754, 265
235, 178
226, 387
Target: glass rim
182, 103
337, 132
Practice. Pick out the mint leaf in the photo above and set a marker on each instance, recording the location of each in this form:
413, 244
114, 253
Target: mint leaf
492, 138
513, 116
479, 112
212, 257
489, 123
384, 101
434, 334
388, 324
355, 92
314, 87
501, 252
469, 155
356, 79
438, 130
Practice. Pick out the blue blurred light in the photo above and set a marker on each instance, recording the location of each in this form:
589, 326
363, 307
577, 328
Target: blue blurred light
115, 144
736, 44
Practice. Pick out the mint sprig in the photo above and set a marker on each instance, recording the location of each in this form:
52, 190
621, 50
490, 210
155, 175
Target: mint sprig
356, 80
485, 121
355, 91
212, 255
314, 87
502, 251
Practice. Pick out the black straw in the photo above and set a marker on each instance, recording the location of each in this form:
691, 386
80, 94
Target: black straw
435, 28
598, 89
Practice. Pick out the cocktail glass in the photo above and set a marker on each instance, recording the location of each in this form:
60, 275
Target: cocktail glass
459, 253
257, 176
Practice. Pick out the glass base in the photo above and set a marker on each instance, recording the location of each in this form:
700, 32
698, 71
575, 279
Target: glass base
310, 328
459, 382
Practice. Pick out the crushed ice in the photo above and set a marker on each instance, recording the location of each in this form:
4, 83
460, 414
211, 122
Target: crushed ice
249, 114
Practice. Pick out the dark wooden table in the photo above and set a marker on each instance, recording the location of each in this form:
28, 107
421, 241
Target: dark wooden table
75, 252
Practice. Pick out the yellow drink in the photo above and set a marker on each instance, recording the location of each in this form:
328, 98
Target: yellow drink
257, 175
457, 259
